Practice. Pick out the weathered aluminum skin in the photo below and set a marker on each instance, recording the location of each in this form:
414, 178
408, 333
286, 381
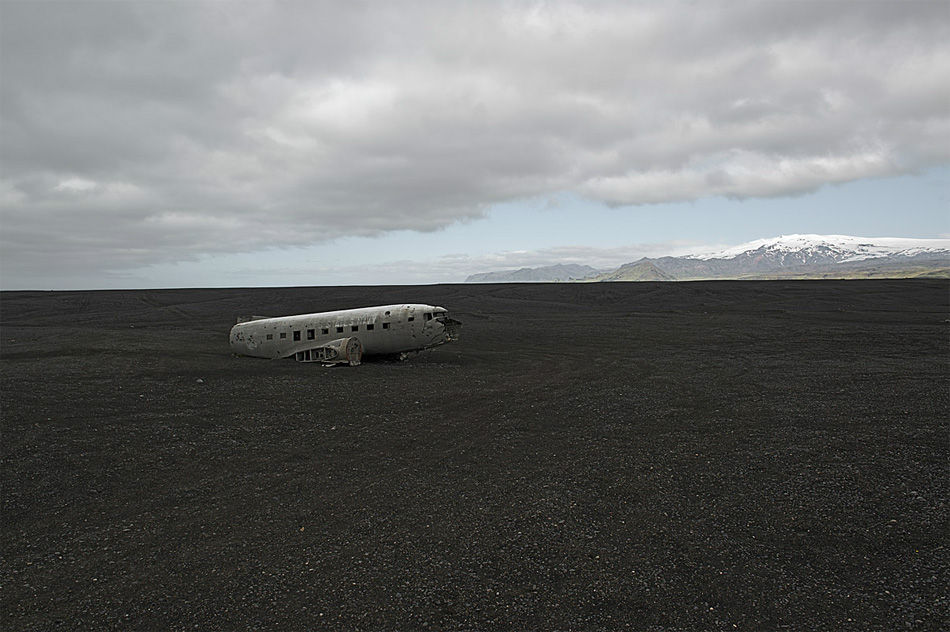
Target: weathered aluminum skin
381, 330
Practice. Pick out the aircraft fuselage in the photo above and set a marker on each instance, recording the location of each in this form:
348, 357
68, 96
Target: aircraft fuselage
323, 336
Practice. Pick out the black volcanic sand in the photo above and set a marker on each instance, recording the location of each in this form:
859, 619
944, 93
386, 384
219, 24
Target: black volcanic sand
708, 456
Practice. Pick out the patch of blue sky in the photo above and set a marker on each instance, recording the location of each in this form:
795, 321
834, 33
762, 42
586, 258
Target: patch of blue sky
912, 205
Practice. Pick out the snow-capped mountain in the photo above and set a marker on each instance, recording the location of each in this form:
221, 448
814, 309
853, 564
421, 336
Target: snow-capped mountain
814, 256
788, 256
832, 248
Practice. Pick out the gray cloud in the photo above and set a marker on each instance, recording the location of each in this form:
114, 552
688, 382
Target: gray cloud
135, 133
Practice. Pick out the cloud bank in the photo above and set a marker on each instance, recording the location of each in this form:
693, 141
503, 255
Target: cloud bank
135, 133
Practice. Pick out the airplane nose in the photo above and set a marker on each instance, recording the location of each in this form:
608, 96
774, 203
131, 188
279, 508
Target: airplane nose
452, 328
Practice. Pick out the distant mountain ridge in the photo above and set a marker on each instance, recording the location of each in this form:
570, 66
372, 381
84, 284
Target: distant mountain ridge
785, 257
810, 256
642, 270
558, 272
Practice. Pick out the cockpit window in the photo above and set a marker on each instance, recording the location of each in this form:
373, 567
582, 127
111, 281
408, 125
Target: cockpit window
428, 315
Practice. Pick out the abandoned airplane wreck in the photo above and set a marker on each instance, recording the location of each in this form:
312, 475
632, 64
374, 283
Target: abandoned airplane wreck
345, 336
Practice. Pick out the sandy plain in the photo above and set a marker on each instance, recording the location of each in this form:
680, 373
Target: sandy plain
650, 456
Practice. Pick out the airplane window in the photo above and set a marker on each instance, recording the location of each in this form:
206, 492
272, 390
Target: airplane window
283, 335
310, 334
270, 336
297, 335
411, 318
324, 331
355, 328
385, 325
369, 327
339, 330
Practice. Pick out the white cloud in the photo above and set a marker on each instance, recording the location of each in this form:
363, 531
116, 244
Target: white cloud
75, 185
738, 174
198, 128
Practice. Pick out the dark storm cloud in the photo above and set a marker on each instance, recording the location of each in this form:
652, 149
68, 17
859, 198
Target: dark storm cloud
142, 132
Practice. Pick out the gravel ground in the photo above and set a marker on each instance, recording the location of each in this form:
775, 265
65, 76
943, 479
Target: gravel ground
683, 456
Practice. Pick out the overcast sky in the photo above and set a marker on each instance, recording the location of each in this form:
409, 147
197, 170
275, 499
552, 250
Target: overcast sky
157, 144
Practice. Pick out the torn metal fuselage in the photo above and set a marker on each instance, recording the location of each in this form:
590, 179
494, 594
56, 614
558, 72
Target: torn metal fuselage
452, 328
345, 336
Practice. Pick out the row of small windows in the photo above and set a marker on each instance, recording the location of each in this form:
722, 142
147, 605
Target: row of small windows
325, 331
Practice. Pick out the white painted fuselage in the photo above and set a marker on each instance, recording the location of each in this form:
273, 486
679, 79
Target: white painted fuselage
382, 330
